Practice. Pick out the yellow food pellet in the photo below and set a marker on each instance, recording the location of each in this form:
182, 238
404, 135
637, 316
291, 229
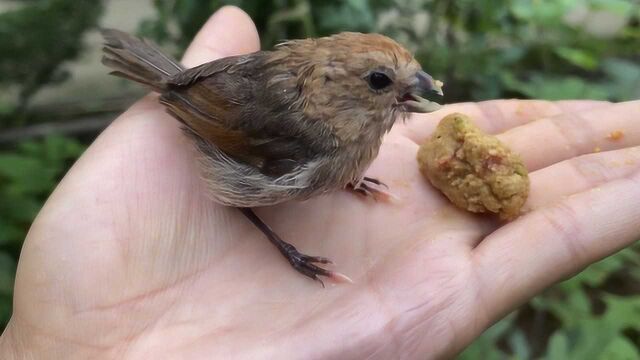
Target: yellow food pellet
615, 135
474, 170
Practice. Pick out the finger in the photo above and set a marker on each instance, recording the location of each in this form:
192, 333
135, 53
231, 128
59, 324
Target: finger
550, 140
552, 243
230, 31
580, 174
496, 116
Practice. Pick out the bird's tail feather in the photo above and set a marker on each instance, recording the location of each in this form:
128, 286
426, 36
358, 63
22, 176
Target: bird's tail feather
138, 60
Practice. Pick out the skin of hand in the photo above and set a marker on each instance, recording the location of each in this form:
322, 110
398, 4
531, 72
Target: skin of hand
128, 260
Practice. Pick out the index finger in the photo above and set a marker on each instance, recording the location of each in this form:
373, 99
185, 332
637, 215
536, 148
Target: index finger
496, 116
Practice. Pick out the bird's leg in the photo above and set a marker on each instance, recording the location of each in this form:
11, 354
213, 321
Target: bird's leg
301, 262
363, 188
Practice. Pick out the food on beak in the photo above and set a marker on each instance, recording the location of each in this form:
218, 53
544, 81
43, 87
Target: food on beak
424, 96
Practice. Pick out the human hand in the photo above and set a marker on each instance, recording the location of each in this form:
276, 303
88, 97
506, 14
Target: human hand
128, 259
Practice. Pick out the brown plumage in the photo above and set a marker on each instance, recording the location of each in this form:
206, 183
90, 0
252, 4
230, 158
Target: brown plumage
305, 118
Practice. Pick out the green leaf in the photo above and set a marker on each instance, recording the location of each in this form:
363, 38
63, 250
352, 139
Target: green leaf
572, 309
519, 345
485, 346
625, 78
578, 57
558, 348
7, 273
619, 7
59, 149
349, 15
542, 12
9, 232
15, 166
623, 311
620, 348
24, 210
556, 87
596, 274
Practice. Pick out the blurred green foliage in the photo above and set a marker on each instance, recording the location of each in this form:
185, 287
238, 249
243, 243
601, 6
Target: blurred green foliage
594, 315
35, 40
548, 49
28, 174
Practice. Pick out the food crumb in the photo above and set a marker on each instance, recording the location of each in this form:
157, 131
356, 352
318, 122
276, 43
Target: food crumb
615, 135
597, 149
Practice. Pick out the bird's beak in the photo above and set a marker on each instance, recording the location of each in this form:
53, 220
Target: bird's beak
424, 95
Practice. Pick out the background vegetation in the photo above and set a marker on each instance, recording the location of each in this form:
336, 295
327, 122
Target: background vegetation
548, 49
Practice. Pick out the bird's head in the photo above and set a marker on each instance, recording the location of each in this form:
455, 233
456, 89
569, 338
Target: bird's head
354, 80
368, 66
376, 68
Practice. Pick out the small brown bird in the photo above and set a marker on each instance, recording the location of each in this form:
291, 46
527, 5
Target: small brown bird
303, 119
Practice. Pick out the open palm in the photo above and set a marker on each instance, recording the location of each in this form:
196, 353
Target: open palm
128, 259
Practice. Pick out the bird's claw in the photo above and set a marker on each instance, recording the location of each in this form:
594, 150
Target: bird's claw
375, 182
305, 265
367, 190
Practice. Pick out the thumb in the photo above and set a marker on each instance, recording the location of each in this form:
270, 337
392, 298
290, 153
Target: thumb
229, 31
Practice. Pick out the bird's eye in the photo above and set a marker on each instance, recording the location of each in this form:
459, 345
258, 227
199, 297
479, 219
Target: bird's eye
378, 80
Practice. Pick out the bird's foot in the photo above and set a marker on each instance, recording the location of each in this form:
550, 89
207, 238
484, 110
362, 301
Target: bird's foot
368, 188
306, 265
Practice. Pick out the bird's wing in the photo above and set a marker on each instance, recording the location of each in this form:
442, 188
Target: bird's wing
225, 103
